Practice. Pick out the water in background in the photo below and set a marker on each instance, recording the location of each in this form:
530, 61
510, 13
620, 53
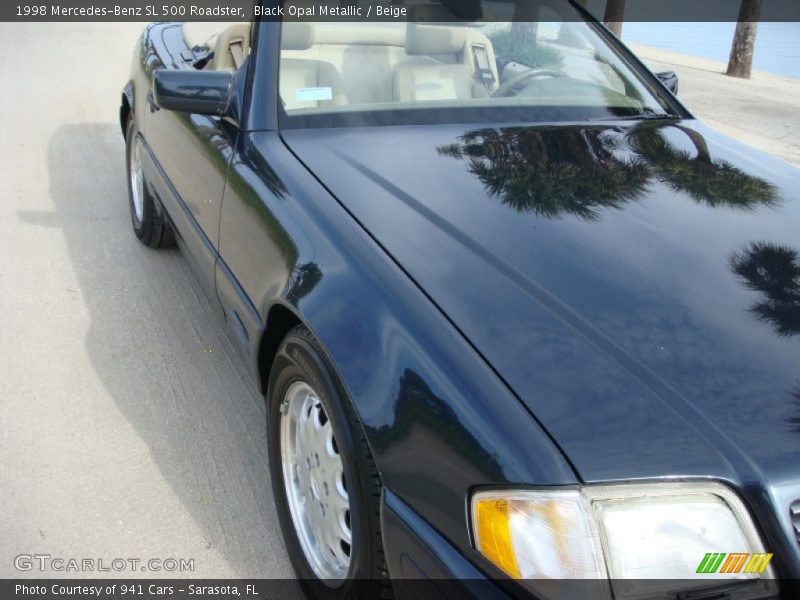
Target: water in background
777, 44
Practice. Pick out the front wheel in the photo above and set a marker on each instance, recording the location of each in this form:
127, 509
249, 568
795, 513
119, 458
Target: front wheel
149, 224
326, 486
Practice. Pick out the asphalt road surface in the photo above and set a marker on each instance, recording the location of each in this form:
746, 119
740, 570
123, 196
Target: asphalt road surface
128, 425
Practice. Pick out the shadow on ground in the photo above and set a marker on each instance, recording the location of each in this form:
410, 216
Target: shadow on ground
161, 353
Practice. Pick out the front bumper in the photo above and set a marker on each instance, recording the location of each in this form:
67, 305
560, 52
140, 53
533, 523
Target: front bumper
424, 565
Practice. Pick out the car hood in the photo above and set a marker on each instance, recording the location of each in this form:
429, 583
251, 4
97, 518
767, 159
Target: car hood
637, 286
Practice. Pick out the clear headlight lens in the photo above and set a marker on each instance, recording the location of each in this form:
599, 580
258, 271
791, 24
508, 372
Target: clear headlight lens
627, 533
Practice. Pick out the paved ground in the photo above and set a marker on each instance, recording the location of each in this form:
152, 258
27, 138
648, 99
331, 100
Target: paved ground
120, 436
762, 111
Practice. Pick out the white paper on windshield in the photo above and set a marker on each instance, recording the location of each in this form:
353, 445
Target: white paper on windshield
316, 94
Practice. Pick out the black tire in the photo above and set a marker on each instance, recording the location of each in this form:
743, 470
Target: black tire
301, 359
153, 230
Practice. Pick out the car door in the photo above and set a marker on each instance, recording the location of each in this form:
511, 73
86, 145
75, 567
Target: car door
193, 152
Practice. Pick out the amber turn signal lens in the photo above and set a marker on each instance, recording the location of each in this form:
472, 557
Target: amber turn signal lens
493, 534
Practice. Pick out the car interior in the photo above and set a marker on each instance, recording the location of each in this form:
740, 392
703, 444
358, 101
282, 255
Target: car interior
338, 66
364, 63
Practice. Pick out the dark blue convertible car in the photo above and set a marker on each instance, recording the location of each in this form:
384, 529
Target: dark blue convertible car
521, 321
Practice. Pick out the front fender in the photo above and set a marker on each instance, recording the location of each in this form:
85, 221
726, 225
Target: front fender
439, 421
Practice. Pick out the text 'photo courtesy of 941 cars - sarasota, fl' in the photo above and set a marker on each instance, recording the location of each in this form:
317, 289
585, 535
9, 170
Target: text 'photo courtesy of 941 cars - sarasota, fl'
525, 327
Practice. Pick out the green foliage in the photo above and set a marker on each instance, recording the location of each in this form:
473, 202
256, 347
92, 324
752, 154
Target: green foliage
552, 172
711, 181
773, 270
518, 43
585, 172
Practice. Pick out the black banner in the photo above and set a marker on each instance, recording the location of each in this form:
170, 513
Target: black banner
371, 10
150, 589
413, 589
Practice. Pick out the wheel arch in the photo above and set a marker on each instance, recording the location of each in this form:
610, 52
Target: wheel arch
125, 108
279, 322
417, 392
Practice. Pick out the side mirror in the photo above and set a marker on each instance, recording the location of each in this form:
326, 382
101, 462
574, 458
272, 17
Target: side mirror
670, 80
200, 92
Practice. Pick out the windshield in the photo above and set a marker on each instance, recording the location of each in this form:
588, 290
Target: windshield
554, 69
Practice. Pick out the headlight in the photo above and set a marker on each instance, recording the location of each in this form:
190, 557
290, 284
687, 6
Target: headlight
661, 533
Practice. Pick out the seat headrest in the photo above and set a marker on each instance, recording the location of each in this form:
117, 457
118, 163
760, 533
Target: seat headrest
432, 39
297, 36
357, 33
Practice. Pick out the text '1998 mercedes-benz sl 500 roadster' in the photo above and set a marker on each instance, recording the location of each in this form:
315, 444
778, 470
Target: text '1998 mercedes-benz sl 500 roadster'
524, 326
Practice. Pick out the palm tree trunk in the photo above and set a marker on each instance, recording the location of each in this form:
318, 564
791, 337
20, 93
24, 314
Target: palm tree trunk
740, 63
614, 15
700, 144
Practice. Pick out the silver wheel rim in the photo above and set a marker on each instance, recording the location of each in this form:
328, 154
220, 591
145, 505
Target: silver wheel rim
313, 474
137, 180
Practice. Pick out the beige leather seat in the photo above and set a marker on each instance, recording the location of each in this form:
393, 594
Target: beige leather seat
439, 71
306, 83
364, 55
231, 48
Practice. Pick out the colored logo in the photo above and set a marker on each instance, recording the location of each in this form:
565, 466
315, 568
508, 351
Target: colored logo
736, 562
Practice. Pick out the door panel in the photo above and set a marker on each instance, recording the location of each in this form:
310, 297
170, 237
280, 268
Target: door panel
197, 248
193, 154
194, 151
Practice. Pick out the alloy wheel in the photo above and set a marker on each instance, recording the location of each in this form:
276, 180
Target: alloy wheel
137, 179
316, 489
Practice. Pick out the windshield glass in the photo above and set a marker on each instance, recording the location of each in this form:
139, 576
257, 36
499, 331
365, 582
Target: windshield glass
556, 68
